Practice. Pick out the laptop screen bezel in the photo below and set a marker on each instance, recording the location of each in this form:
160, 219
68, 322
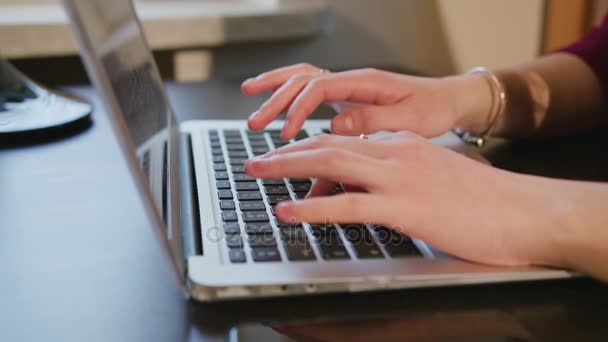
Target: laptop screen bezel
170, 236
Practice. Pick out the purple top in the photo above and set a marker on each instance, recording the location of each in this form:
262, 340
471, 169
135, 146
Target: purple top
593, 49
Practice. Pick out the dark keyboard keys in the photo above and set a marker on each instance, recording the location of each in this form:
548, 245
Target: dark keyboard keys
395, 244
299, 181
243, 177
238, 169
259, 228
262, 240
276, 199
232, 228
362, 241
238, 154
255, 216
225, 194
223, 185
276, 190
217, 152
252, 206
227, 205
300, 252
219, 167
301, 195
222, 175
247, 186
301, 136
237, 161
265, 255
258, 151
258, 144
301, 187
218, 159
271, 182
234, 241
235, 147
330, 243
230, 216
249, 196
237, 256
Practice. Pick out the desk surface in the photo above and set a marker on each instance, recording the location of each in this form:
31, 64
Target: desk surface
41, 29
80, 262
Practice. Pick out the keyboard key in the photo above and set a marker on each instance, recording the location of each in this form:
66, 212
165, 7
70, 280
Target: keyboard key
219, 167
234, 241
218, 159
238, 154
274, 132
238, 169
327, 131
258, 228
237, 256
222, 175
232, 132
280, 144
234, 141
217, 152
255, 216
293, 234
225, 194
276, 199
223, 185
396, 245
249, 196
301, 135
227, 205
301, 187
301, 195
260, 150
237, 161
367, 251
270, 182
320, 231
232, 228
300, 252
262, 240
252, 206
276, 190
243, 177
265, 255
333, 251
236, 147
230, 216
259, 144
299, 181
216, 144
213, 132
247, 186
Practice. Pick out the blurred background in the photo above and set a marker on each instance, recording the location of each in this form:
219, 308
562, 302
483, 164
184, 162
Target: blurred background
195, 40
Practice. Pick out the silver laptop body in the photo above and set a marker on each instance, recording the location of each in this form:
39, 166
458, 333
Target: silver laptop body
198, 201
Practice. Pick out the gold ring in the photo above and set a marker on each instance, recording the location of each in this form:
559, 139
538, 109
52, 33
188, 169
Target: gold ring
363, 137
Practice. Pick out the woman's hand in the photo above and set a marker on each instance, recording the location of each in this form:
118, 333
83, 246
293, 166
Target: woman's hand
375, 100
423, 190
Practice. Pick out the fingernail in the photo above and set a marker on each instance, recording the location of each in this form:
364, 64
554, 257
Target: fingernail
254, 115
344, 124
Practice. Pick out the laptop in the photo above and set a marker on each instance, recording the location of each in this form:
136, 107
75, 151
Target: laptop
214, 221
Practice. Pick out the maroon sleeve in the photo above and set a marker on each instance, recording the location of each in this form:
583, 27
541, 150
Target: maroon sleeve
593, 49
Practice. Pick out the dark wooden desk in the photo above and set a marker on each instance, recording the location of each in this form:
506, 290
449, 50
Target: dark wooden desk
79, 261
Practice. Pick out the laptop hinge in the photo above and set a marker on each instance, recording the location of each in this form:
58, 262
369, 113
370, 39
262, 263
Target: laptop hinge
190, 214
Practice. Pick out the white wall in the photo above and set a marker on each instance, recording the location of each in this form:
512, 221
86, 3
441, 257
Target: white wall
434, 37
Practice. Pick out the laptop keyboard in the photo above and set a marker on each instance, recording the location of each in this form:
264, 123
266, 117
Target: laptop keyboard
254, 234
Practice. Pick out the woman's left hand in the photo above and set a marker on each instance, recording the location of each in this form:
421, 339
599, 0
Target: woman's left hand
425, 191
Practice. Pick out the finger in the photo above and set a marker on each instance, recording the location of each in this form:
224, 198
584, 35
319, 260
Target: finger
273, 79
279, 101
360, 86
330, 163
371, 119
377, 148
322, 187
344, 208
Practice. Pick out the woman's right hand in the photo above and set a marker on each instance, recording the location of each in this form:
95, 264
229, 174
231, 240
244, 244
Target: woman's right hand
375, 100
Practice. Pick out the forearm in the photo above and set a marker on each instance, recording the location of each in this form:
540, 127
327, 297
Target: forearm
554, 95
575, 226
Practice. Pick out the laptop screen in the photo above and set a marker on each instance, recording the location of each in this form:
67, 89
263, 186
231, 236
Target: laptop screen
125, 75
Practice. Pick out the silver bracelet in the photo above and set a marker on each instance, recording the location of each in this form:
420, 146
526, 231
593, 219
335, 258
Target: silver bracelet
499, 104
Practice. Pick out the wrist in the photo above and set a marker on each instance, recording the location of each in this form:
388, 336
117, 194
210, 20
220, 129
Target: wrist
472, 102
